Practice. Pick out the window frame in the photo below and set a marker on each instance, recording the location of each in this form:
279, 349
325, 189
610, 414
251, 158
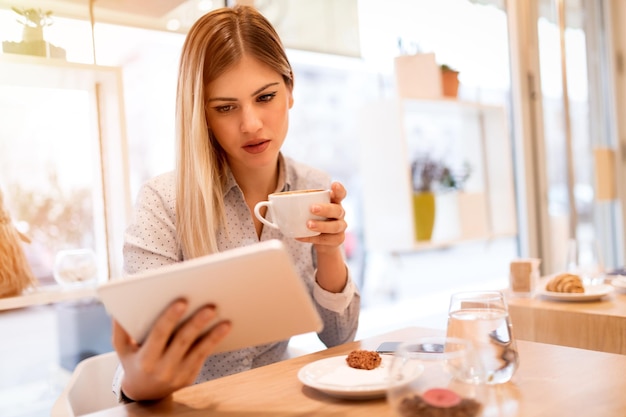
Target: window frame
105, 90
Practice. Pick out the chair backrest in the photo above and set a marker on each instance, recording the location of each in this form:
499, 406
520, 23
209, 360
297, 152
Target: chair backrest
89, 388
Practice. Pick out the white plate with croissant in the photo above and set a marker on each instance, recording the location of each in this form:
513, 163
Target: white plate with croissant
569, 287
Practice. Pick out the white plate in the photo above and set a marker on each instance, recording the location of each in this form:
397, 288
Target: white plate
334, 377
619, 283
592, 292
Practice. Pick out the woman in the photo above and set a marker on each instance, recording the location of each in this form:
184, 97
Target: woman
234, 94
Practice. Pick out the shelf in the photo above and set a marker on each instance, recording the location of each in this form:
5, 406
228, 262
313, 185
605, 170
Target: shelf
449, 104
47, 295
394, 130
445, 244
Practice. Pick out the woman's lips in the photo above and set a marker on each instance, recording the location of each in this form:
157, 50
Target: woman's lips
257, 147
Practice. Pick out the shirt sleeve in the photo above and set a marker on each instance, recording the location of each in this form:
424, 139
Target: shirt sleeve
150, 239
117, 385
336, 302
339, 312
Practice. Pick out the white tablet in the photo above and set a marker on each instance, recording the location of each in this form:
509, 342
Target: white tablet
256, 287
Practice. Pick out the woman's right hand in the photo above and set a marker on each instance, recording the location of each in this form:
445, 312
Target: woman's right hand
170, 358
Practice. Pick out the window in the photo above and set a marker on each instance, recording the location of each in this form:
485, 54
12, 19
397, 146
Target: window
62, 159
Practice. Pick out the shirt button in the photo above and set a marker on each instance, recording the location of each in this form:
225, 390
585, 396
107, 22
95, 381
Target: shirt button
245, 362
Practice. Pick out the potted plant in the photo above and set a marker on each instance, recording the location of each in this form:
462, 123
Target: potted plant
429, 175
33, 42
449, 81
455, 179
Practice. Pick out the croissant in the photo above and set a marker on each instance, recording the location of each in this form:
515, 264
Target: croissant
566, 283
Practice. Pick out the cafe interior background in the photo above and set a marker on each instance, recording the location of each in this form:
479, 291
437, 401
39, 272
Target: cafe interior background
534, 137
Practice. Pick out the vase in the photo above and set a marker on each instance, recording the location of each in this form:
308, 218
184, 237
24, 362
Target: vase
32, 34
424, 215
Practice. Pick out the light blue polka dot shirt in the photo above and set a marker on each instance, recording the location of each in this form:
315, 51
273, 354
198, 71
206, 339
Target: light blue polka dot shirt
150, 242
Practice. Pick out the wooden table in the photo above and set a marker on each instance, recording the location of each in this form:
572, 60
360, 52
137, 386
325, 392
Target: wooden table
596, 325
551, 381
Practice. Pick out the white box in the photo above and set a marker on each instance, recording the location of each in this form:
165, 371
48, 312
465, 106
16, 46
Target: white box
418, 76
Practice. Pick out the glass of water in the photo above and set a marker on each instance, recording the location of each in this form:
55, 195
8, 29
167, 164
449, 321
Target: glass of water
482, 317
427, 378
584, 259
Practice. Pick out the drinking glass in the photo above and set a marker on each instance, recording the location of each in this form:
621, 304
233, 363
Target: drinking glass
584, 260
75, 267
427, 378
483, 318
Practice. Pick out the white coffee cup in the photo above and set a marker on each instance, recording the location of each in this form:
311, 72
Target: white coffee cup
291, 210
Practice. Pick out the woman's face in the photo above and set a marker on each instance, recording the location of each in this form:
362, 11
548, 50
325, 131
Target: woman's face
247, 109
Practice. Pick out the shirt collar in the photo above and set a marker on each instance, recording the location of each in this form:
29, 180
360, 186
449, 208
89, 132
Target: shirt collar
285, 178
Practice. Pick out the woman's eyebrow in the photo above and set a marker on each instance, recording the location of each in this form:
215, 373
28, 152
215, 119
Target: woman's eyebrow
263, 88
251, 95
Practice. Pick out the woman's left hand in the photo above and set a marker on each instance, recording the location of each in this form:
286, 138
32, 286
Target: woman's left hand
333, 229
332, 273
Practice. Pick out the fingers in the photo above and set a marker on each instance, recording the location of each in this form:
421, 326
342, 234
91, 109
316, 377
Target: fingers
332, 235
332, 230
160, 334
334, 214
189, 333
340, 212
333, 211
190, 364
330, 226
172, 355
337, 192
206, 345
121, 341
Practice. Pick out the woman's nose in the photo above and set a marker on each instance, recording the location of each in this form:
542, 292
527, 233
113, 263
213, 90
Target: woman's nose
251, 119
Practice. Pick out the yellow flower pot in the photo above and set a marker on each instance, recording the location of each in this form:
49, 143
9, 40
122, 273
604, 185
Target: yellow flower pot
424, 215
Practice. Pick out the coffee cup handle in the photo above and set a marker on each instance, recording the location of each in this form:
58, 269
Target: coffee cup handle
257, 213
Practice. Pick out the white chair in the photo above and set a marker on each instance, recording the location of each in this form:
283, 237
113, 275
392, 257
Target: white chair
89, 388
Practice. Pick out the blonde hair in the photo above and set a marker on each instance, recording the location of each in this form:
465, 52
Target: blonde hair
15, 272
216, 42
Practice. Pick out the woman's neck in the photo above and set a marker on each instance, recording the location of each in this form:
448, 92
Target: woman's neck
257, 184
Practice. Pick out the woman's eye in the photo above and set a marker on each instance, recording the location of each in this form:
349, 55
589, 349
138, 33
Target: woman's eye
267, 97
224, 109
